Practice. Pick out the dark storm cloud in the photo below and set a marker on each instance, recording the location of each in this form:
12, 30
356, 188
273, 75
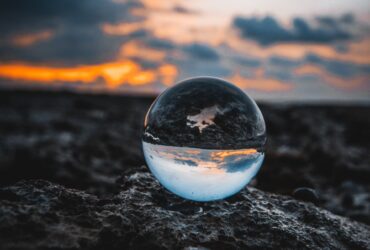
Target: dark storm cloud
268, 30
75, 25
201, 51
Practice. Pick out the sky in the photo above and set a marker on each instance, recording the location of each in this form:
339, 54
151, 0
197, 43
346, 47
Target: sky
307, 50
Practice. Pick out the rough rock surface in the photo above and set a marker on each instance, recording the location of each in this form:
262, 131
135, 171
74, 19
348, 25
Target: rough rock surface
39, 214
90, 146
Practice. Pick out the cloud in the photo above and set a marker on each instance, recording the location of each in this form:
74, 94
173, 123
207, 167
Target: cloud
23, 15
160, 44
260, 82
125, 28
339, 67
25, 40
183, 10
74, 30
330, 78
267, 31
75, 46
333, 22
201, 51
246, 61
280, 61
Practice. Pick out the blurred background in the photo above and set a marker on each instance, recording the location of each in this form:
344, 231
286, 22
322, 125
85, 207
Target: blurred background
274, 50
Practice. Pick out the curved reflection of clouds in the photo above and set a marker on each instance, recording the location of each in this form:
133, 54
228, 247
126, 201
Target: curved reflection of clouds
202, 174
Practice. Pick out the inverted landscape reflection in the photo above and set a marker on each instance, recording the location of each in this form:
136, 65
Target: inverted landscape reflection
202, 174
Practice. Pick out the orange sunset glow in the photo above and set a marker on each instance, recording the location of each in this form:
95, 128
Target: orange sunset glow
114, 74
222, 155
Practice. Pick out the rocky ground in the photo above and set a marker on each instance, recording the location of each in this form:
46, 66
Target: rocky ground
94, 192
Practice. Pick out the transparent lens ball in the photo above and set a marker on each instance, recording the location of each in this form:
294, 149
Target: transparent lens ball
204, 139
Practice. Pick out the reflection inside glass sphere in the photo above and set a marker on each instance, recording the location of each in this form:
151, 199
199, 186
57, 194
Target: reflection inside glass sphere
204, 139
202, 174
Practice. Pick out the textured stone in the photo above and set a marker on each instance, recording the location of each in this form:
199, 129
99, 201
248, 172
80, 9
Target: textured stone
38, 214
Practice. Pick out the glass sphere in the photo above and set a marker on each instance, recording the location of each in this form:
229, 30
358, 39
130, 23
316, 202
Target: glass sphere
204, 139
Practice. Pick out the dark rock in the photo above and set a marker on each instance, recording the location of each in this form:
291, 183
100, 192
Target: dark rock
306, 194
49, 216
